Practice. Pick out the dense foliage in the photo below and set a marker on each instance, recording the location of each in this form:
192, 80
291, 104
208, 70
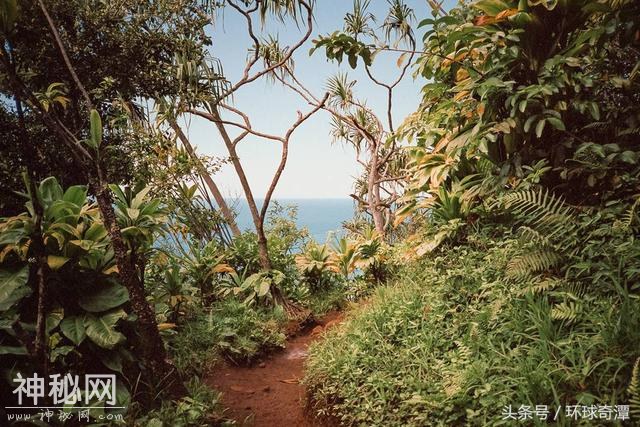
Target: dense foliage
457, 337
523, 192
493, 260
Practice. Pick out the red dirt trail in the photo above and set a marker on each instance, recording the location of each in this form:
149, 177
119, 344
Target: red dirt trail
269, 393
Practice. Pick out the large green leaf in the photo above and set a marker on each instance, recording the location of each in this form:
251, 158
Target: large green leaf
97, 232
54, 317
111, 359
101, 330
265, 285
76, 194
491, 7
95, 138
10, 284
56, 262
20, 351
50, 190
104, 297
73, 328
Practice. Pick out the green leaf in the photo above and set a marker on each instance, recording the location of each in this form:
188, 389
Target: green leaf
19, 351
60, 352
529, 122
491, 7
540, 127
55, 262
522, 106
106, 297
556, 123
54, 317
10, 283
76, 194
96, 129
265, 285
50, 190
111, 359
73, 328
97, 232
101, 330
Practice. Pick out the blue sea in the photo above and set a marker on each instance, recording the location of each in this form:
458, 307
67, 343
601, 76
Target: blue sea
319, 216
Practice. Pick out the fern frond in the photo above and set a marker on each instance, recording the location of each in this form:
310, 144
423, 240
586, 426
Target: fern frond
634, 391
537, 205
528, 234
597, 125
548, 214
630, 217
566, 311
630, 131
533, 262
542, 287
577, 289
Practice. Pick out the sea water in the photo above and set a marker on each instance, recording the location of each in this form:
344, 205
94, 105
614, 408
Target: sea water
319, 216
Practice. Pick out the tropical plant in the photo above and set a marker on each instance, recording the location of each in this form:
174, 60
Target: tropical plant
257, 288
86, 304
344, 255
512, 82
371, 255
316, 265
174, 292
356, 123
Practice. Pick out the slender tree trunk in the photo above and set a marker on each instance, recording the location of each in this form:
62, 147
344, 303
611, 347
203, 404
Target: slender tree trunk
263, 249
151, 344
258, 221
215, 191
37, 271
373, 194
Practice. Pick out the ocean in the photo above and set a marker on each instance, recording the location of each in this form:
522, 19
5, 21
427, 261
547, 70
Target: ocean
319, 216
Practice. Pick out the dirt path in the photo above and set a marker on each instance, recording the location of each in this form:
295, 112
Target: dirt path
269, 393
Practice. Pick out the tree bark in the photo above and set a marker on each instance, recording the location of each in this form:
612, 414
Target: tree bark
215, 191
373, 192
258, 221
151, 344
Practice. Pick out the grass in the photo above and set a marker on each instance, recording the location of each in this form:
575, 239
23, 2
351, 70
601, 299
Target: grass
228, 330
199, 408
452, 341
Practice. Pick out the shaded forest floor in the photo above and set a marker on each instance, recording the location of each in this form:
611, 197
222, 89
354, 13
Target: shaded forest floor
269, 393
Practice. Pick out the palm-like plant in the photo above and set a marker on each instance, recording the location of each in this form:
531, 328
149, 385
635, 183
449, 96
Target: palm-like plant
141, 218
56, 94
344, 255
315, 264
370, 254
174, 291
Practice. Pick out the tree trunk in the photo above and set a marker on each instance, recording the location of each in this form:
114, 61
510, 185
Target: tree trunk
37, 270
151, 344
263, 249
258, 221
215, 191
373, 195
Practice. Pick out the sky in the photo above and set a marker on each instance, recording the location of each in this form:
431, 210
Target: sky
317, 167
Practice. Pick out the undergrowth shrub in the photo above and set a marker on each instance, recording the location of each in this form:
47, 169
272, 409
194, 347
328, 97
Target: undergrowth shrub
198, 408
229, 330
454, 339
